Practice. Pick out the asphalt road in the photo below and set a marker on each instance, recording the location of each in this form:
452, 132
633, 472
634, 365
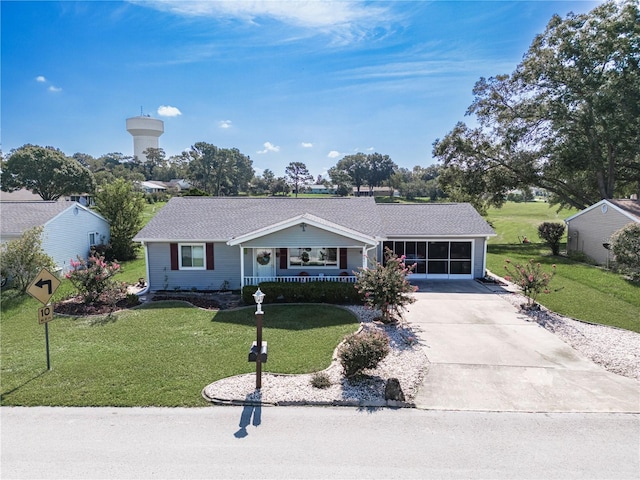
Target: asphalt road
327, 443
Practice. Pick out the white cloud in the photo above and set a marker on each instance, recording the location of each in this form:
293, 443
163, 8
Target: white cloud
307, 145
224, 123
269, 147
54, 88
349, 21
168, 111
334, 154
41, 79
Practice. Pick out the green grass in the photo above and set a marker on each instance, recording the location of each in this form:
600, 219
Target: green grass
150, 210
162, 354
579, 290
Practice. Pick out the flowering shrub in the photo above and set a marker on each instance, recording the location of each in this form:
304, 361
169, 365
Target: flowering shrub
93, 280
530, 278
386, 287
361, 351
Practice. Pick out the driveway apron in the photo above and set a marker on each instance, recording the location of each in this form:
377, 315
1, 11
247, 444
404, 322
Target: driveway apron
485, 355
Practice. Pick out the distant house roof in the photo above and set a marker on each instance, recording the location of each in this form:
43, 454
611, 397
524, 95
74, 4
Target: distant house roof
228, 218
432, 219
18, 217
152, 185
629, 208
22, 195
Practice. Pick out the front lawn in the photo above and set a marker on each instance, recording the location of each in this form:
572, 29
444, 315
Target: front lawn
162, 354
579, 290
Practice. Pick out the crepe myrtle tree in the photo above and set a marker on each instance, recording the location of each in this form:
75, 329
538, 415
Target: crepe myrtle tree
385, 286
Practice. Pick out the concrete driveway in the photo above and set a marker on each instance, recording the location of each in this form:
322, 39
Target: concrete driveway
486, 356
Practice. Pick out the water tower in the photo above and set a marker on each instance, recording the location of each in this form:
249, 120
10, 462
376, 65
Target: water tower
145, 131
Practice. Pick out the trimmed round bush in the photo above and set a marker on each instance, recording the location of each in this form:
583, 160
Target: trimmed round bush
361, 351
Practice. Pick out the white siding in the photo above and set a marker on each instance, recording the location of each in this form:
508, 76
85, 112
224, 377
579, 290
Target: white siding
588, 231
67, 235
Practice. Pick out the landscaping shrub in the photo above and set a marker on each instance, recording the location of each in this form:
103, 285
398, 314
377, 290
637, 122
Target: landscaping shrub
22, 259
361, 351
551, 233
625, 245
320, 380
308, 292
385, 287
92, 278
530, 278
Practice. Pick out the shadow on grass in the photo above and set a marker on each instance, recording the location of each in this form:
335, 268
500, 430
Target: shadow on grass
12, 298
290, 317
3, 395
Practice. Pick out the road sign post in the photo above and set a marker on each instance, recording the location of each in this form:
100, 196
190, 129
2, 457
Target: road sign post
42, 289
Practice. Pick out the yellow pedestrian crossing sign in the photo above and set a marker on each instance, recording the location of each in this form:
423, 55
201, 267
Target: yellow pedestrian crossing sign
43, 286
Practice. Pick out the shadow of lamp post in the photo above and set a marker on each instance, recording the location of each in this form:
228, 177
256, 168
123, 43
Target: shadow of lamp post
258, 352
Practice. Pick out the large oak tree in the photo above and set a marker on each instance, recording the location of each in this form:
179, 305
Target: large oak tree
567, 119
45, 171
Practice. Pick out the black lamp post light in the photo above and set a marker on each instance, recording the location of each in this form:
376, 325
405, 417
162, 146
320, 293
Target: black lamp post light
258, 354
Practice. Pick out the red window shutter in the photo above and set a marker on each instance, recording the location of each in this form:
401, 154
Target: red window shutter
343, 258
283, 258
209, 256
174, 256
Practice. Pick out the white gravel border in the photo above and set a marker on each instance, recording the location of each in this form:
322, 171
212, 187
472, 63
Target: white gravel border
614, 349
406, 361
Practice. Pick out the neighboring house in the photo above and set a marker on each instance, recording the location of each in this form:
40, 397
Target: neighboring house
179, 183
589, 231
320, 189
202, 242
69, 229
84, 199
375, 192
151, 186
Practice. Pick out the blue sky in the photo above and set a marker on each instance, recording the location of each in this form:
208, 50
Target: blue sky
282, 81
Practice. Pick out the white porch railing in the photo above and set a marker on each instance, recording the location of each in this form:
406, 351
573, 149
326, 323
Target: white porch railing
299, 279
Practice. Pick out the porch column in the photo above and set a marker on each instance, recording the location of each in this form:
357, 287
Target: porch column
241, 266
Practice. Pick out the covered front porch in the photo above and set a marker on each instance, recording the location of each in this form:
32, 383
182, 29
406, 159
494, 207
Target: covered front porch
301, 264
304, 248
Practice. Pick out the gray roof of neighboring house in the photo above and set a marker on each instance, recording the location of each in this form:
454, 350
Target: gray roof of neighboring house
17, 217
221, 219
432, 220
630, 206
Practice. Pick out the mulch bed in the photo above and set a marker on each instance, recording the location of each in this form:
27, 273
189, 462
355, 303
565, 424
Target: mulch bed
75, 307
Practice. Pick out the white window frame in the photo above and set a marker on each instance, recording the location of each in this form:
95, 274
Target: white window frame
204, 256
96, 238
306, 267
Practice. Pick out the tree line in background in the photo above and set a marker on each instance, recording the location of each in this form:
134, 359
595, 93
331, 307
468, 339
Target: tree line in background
210, 170
566, 122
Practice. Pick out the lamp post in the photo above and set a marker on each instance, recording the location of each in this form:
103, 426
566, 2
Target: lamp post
259, 297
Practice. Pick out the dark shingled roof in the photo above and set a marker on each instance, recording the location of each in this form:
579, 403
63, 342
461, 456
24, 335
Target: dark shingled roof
216, 218
221, 219
432, 219
17, 217
629, 206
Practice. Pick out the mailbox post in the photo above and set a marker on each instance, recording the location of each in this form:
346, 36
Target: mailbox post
259, 297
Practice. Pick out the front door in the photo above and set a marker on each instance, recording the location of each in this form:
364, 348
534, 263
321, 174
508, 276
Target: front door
265, 262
